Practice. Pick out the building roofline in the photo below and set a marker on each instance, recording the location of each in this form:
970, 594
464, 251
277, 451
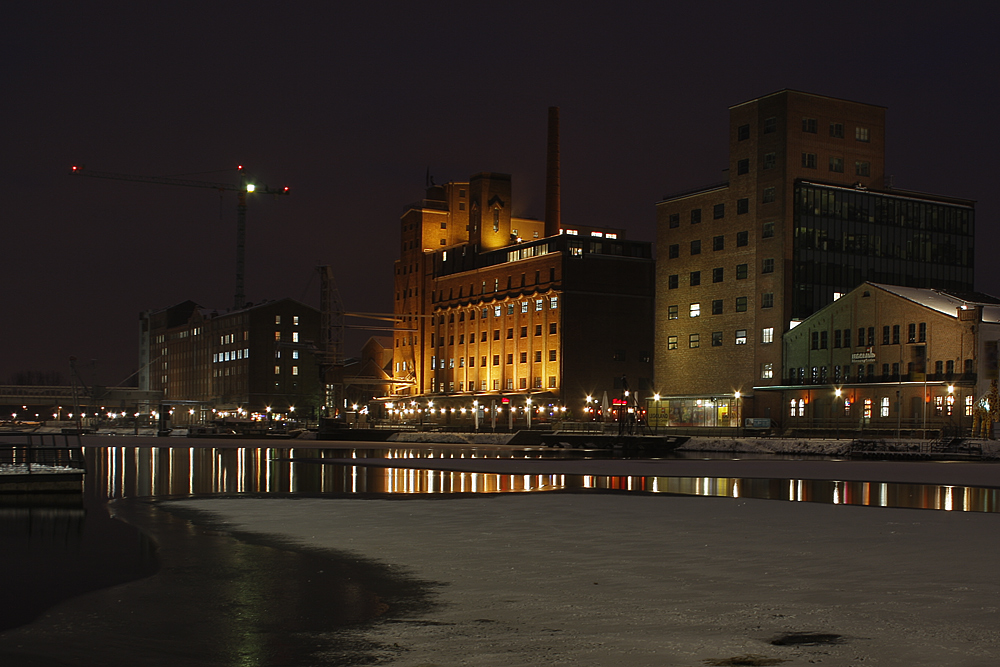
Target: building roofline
802, 92
894, 192
691, 193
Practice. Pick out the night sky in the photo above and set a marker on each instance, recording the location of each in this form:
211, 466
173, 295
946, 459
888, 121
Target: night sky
350, 103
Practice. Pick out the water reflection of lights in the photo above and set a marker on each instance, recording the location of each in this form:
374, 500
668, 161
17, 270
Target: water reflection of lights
126, 472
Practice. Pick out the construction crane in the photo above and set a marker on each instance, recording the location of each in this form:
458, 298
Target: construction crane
242, 189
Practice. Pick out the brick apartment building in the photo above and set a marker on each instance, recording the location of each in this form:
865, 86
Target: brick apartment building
804, 215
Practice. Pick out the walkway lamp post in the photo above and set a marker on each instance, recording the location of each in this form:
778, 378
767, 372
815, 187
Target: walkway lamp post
656, 405
737, 396
836, 414
527, 412
475, 413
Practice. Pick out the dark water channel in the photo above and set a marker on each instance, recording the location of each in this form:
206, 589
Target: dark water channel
245, 599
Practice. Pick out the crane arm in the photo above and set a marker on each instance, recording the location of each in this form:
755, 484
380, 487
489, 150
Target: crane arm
169, 180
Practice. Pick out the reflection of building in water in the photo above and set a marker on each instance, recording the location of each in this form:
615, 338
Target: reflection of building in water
138, 472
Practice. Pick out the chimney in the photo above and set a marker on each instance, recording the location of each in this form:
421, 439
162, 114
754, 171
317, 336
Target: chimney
552, 200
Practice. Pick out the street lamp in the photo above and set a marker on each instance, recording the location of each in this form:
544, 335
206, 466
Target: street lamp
656, 404
736, 395
951, 407
836, 416
527, 412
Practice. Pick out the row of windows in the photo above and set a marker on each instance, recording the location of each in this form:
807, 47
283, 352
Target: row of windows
483, 335
718, 306
499, 309
234, 355
916, 332
836, 165
508, 384
740, 338
295, 320
718, 243
295, 336
443, 363
943, 370
810, 125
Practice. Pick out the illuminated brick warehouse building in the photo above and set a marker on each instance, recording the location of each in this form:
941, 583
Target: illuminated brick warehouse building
805, 215
496, 308
253, 362
891, 359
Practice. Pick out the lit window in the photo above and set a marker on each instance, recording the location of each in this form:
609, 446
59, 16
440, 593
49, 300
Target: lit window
496, 311
671, 342
862, 134
277, 335
671, 312
694, 340
538, 304
741, 336
295, 370
766, 371
553, 302
609, 235
295, 336
277, 370
884, 411
767, 335
572, 232
277, 319
524, 306
695, 310
295, 319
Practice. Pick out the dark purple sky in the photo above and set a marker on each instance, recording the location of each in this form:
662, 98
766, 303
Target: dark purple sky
350, 103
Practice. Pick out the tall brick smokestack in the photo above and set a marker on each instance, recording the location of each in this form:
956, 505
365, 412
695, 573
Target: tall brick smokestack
553, 220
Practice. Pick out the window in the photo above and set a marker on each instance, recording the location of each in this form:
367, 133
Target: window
671, 342
885, 335
742, 206
538, 330
523, 358
809, 125
742, 166
767, 266
524, 332
718, 242
911, 334
695, 278
895, 334
671, 312
767, 300
862, 134
836, 343
742, 239
694, 340
674, 220
718, 211
862, 168
277, 370
884, 411
809, 160
922, 332
674, 251
717, 306
770, 160
766, 371
770, 125
717, 274
815, 340
741, 304
538, 356
277, 335
696, 247
768, 195
861, 337
743, 132
510, 358
741, 271
538, 304
553, 302
672, 282
837, 165
524, 304
695, 310
767, 230
552, 355
847, 337
871, 335
823, 339
716, 339
837, 130
277, 319
695, 216
496, 310
510, 334
483, 339
552, 327
741, 336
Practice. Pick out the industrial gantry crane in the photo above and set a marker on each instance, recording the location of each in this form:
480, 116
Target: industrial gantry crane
242, 188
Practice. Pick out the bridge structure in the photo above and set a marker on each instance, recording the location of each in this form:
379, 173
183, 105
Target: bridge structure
44, 402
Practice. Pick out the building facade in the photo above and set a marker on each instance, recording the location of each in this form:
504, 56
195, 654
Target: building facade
258, 360
493, 308
804, 216
891, 359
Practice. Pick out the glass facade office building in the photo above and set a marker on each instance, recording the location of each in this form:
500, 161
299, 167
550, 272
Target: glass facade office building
846, 236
